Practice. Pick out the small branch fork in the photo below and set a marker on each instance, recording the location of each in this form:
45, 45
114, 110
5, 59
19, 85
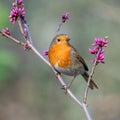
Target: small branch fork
28, 45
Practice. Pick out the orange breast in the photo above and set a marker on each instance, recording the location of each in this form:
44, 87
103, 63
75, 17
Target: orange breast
60, 55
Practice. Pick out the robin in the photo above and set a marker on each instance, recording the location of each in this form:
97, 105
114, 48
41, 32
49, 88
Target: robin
65, 59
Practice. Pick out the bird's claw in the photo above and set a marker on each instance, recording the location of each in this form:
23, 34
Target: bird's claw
65, 87
57, 73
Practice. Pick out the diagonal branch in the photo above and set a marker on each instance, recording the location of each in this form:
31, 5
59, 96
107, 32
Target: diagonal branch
12, 39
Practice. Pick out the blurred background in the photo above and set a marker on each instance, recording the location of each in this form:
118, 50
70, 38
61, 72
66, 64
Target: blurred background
29, 89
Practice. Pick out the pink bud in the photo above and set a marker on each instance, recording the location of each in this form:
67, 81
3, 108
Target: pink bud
45, 52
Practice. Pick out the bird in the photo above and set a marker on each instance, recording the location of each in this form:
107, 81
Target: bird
66, 60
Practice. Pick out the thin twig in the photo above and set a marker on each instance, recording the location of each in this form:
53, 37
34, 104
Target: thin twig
20, 26
58, 28
88, 83
86, 111
28, 33
13, 39
89, 79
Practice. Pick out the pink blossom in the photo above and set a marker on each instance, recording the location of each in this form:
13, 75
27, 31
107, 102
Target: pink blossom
101, 42
98, 50
24, 31
17, 11
14, 15
93, 51
64, 16
25, 47
22, 12
18, 2
6, 31
100, 57
45, 52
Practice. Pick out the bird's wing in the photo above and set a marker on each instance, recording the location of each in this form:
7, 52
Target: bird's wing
79, 58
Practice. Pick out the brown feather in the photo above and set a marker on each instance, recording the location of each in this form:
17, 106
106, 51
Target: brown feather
92, 83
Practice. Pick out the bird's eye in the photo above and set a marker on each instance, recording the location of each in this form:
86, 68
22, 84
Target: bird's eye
58, 40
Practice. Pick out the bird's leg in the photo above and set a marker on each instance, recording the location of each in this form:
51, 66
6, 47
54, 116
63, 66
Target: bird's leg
69, 85
65, 87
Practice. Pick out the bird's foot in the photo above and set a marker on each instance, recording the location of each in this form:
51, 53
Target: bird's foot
57, 73
66, 87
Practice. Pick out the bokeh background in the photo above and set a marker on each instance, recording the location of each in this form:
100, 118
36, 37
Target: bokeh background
29, 89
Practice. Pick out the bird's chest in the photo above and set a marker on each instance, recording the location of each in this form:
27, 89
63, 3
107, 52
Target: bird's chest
60, 57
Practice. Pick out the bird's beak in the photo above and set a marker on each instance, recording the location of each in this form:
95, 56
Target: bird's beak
68, 39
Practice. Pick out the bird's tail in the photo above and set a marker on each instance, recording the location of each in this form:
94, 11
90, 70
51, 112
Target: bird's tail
92, 83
